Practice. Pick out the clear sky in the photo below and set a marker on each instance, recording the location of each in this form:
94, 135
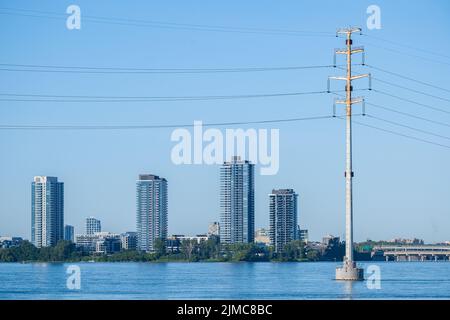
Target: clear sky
401, 186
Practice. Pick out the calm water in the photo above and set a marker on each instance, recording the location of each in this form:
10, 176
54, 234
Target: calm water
400, 280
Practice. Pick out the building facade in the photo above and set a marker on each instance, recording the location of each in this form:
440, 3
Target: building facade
262, 237
283, 218
129, 240
93, 225
47, 211
69, 233
86, 242
213, 229
108, 243
174, 242
9, 242
151, 210
303, 235
99, 242
237, 202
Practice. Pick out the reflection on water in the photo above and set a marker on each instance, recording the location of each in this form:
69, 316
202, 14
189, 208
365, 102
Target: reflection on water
348, 289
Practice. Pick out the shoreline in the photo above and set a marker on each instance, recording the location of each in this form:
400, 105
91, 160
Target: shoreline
191, 262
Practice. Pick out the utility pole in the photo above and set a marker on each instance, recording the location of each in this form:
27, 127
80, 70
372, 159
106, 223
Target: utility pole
349, 270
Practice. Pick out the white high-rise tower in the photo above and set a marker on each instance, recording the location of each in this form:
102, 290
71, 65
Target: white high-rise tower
151, 211
237, 201
47, 211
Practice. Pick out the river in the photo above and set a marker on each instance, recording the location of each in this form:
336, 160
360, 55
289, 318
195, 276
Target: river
310, 280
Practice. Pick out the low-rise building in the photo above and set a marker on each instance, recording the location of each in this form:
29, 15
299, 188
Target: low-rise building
9, 242
108, 245
333, 249
303, 235
99, 242
262, 236
199, 238
413, 241
174, 242
69, 233
213, 229
129, 240
329, 240
86, 242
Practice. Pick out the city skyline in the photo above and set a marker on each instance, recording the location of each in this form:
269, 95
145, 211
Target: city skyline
401, 186
92, 225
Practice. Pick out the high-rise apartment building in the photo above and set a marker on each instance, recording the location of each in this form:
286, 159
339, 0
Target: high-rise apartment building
151, 210
47, 211
237, 201
283, 218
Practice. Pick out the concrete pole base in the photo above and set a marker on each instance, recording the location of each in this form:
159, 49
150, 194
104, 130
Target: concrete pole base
349, 272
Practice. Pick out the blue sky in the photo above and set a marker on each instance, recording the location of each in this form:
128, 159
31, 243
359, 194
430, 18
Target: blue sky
401, 185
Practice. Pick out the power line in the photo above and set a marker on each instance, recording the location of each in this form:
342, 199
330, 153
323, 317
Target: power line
114, 70
407, 78
162, 126
171, 126
401, 112
397, 133
401, 134
406, 46
409, 127
80, 98
411, 101
408, 114
166, 25
412, 90
410, 54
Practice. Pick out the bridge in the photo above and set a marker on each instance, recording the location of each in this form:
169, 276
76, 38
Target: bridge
411, 253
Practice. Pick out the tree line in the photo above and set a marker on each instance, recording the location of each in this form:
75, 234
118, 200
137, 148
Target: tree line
189, 250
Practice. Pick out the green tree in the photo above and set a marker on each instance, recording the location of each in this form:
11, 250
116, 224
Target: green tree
189, 249
6, 256
247, 252
159, 247
209, 249
64, 250
26, 251
293, 251
313, 255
